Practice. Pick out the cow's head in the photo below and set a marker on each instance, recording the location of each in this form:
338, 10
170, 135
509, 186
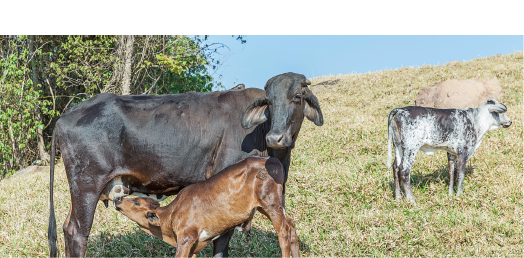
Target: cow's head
497, 113
140, 210
287, 101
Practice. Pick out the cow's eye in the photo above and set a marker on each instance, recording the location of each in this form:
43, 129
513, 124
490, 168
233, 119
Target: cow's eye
136, 203
298, 97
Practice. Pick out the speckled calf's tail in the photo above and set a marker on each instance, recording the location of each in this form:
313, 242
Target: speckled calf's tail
390, 136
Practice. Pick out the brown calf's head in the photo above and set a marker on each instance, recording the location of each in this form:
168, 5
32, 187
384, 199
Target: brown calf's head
141, 210
287, 101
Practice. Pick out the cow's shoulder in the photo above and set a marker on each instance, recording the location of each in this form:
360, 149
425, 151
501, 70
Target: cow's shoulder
255, 92
89, 103
90, 107
414, 112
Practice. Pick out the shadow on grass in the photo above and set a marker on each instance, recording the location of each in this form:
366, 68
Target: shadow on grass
422, 181
257, 243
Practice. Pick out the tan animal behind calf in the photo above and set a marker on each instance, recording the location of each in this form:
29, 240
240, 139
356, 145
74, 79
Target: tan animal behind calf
203, 211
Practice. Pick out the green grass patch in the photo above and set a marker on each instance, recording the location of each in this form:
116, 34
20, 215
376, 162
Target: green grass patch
340, 192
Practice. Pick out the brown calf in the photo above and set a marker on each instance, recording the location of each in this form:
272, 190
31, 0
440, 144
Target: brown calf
203, 211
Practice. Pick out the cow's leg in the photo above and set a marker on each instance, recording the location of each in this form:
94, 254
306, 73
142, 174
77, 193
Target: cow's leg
396, 176
461, 169
452, 172
66, 222
221, 245
285, 164
406, 163
78, 224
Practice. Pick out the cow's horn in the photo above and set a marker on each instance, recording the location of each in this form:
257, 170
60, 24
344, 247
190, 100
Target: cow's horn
308, 82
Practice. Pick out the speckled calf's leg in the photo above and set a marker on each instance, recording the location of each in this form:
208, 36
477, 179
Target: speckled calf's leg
405, 168
461, 169
396, 176
452, 172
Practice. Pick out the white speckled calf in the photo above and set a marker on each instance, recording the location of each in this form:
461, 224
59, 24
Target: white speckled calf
459, 132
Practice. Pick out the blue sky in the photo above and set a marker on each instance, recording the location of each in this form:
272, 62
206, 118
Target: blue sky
263, 57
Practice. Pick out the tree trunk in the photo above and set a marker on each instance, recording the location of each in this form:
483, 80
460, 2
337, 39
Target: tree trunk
126, 82
44, 157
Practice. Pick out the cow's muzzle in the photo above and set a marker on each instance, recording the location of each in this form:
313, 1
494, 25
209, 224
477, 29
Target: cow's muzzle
506, 125
277, 140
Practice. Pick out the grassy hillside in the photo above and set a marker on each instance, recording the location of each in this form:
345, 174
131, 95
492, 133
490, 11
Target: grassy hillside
340, 192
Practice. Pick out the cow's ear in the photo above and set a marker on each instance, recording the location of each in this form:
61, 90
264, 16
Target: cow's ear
496, 107
153, 219
312, 109
256, 113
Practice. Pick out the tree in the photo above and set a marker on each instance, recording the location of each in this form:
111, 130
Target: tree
19, 100
42, 76
126, 82
40, 139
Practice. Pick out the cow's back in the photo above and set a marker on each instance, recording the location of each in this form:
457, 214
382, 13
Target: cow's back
165, 139
435, 126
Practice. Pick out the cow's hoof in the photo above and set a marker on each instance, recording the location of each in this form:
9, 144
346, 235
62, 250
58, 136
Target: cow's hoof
412, 202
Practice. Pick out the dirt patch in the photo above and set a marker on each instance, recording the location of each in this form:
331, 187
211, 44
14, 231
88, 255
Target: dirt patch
458, 93
29, 170
319, 87
239, 87
329, 82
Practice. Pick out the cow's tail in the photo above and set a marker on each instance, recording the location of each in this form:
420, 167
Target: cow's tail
51, 230
390, 136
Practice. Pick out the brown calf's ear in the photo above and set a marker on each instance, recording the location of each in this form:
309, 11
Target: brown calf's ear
312, 109
153, 219
256, 113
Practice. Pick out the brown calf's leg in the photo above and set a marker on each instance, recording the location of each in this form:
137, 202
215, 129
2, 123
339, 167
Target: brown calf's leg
279, 223
451, 171
295, 252
186, 240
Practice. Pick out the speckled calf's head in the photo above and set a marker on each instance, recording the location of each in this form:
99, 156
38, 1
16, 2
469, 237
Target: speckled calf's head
497, 114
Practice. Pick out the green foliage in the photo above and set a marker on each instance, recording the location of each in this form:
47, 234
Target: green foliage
80, 63
180, 65
17, 110
71, 69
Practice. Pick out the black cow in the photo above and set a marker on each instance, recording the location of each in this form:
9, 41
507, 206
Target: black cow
156, 145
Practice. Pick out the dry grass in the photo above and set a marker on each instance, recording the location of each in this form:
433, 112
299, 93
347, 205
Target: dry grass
340, 192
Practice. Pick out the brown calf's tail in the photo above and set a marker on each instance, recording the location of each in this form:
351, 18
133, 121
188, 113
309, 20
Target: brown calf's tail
51, 230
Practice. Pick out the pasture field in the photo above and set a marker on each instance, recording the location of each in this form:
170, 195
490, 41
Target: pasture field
339, 189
